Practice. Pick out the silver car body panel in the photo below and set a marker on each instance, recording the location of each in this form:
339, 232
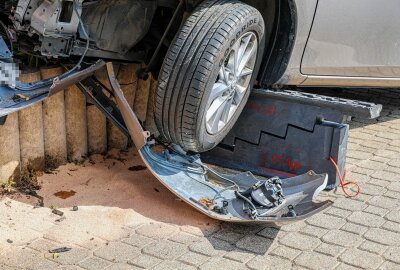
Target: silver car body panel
349, 43
354, 38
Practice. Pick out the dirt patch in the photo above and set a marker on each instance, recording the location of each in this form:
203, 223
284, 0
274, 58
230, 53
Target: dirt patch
128, 185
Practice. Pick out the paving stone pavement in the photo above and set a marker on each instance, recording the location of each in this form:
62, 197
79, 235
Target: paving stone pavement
363, 232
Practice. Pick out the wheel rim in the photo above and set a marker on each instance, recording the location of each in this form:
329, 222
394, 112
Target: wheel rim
232, 83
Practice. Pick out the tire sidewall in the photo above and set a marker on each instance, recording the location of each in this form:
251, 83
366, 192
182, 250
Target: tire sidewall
252, 23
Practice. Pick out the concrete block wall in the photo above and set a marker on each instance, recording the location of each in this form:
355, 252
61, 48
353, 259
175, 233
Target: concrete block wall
65, 128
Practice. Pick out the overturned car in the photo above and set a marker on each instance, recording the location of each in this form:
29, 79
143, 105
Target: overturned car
208, 56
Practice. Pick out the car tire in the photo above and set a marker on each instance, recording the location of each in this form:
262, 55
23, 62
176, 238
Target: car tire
200, 75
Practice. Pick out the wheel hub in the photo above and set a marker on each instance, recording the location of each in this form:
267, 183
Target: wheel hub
232, 83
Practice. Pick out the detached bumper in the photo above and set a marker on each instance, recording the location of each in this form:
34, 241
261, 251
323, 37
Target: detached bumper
25, 95
212, 193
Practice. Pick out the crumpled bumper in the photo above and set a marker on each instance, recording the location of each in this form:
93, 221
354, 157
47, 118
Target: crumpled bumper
198, 187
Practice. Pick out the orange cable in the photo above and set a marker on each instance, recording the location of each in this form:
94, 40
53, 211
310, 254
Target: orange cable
343, 182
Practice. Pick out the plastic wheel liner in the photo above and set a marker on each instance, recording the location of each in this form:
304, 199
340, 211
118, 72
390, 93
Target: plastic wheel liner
240, 197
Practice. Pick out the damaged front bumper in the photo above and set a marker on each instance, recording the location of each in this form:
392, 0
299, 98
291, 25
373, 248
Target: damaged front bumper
225, 197
214, 194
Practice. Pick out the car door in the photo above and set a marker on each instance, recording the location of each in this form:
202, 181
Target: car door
354, 38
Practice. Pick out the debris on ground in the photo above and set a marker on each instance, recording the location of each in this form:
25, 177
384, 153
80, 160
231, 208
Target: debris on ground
9, 241
40, 203
57, 212
51, 165
48, 171
75, 208
31, 192
116, 154
87, 182
59, 250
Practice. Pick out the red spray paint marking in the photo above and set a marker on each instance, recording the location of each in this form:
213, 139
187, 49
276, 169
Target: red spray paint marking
253, 106
292, 165
282, 161
277, 159
269, 110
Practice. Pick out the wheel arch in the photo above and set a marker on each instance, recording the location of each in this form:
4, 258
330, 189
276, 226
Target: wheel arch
281, 23
280, 19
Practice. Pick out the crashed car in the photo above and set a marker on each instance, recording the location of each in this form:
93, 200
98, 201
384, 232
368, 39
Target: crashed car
208, 56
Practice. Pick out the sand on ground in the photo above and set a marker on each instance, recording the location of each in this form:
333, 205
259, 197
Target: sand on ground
119, 179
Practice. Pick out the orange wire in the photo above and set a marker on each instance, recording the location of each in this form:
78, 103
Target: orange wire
343, 182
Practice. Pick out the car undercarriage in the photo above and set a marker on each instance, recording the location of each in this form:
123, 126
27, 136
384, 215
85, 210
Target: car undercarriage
54, 28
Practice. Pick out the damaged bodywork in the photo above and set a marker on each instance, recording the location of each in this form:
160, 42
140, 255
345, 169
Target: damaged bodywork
86, 31
55, 29
240, 197
237, 198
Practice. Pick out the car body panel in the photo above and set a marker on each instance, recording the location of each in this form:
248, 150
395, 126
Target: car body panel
354, 38
350, 43
314, 63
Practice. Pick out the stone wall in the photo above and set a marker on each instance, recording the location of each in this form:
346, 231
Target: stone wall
65, 128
